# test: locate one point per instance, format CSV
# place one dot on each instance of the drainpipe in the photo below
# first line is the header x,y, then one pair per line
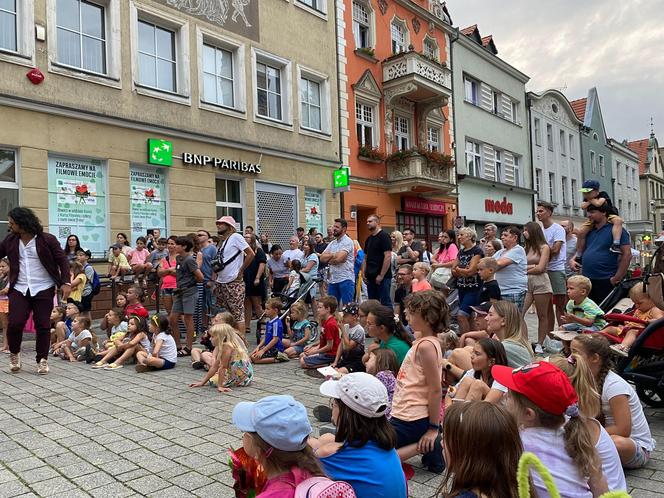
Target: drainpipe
x,y
530,151
336,43
454,116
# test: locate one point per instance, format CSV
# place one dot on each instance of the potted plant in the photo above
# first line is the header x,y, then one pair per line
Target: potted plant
x,y
371,154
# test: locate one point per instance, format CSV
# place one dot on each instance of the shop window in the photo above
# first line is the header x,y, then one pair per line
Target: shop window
x,y
402,132
365,124
229,201
314,207
8,25
218,76
148,202
77,201
81,35
8,186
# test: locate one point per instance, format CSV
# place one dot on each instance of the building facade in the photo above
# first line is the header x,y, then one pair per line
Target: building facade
x,y
395,102
555,145
242,115
651,179
626,190
491,134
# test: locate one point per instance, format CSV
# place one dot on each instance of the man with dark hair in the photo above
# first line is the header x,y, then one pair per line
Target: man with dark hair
x,y
557,239
403,290
37,266
376,266
411,251
340,256
512,267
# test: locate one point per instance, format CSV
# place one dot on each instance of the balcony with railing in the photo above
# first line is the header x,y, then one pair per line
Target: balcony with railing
x,y
420,171
416,77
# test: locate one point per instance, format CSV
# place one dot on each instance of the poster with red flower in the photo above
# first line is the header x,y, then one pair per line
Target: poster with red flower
x,y
148,203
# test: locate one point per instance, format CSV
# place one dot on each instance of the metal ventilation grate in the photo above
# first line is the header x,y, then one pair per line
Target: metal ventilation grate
x,y
276,212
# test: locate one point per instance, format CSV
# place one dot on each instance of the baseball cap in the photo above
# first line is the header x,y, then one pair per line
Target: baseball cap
x,y
482,308
87,252
589,185
566,335
351,309
280,421
541,382
229,220
359,391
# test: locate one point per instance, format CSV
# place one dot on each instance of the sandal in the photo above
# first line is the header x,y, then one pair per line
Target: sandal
x,y
113,366
197,365
184,352
620,350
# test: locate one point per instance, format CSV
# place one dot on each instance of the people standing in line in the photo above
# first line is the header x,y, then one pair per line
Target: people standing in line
x,y
254,282
511,274
378,261
293,253
411,250
490,231
71,247
467,280
339,255
539,285
557,239
37,267
166,272
208,252
234,255
568,225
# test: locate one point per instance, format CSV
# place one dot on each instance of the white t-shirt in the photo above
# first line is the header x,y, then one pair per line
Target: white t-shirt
x,y
495,384
614,385
556,233
167,351
77,339
356,334
345,270
230,247
121,327
295,284
611,466
292,255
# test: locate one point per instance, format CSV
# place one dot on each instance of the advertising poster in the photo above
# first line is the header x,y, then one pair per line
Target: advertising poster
x,y
77,201
148,201
313,200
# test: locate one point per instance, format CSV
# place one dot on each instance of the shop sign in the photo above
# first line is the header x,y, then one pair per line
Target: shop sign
x,y
341,179
77,201
160,153
425,206
147,188
498,206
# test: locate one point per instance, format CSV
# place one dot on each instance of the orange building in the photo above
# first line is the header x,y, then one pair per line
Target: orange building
x,y
396,122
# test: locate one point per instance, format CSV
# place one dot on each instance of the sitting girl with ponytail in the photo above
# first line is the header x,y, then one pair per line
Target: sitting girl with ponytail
x,y
388,333
541,397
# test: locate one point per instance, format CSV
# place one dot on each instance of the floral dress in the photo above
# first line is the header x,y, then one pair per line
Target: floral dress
x,y
240,371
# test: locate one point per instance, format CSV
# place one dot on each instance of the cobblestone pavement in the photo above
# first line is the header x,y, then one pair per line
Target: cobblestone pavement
x,y
83,432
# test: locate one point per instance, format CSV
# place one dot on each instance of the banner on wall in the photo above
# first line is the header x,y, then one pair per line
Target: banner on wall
x,y
148,201
313,205
77,201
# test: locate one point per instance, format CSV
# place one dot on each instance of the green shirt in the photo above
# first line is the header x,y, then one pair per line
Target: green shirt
x,y
587,309
399,347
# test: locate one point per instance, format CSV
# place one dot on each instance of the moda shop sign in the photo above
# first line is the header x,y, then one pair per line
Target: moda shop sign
x,y
488,203
160,153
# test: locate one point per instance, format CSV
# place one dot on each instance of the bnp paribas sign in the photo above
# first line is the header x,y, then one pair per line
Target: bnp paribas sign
x,y
160,153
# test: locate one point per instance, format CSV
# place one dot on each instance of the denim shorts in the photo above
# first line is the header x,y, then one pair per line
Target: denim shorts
x,y
318,360
167,365
468,298
299,349
409,432
639,459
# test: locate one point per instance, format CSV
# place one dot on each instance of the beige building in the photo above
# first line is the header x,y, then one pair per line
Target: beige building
x,y
239,99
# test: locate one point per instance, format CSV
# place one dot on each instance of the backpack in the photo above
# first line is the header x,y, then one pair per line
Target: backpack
x,y
322,487
96,283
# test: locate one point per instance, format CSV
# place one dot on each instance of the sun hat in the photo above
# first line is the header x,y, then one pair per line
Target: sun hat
x,y
280,421
541,382
361,392
589,186
229,220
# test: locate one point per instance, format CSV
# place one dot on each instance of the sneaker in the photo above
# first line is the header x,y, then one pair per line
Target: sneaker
x,y
615,248
42,368
14,362
99,364
113,366
281,357
539,349
89,354
617,349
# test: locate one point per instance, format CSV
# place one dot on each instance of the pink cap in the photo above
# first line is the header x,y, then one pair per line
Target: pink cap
x,y
229,220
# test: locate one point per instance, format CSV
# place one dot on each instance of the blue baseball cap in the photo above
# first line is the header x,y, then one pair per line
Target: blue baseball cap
x,y
589,185
280,421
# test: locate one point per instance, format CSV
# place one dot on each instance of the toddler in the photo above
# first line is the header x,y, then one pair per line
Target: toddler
x,y
294,278
349,354
299,332
4,302
164,354
593,196
79,343
117,329
582,313
382,364
271,347
138,260
420,273
118,263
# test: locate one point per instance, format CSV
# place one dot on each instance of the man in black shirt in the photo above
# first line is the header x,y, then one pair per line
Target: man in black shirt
x,y
405,282
377,262
411,252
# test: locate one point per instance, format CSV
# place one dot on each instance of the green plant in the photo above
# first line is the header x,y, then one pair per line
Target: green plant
x,y
371,153
367,50
401,155
436,158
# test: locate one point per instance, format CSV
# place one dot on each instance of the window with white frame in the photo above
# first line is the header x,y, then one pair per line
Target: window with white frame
x,y
319,5
471,88
361,25
552,187
310,104
269,91
229,200
433,138
496,103
564,191
81,35
549,137
499,166
517,171
218,76
602,171
634,181
515,111
538,183
572,149
593,163
563,143
8,25
157,57
574,193
538,131
402,132
474,159
8,184
430,48
399,37
365,124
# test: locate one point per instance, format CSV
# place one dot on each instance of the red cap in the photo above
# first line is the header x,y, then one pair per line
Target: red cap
x,y
542,383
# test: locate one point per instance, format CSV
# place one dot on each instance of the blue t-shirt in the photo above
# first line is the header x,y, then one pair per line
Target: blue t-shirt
x,y
209,253
371,470
598,262
512,279
275,327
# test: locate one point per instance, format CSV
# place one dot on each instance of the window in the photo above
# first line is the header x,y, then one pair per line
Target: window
x,y
572,151
574,193
433,138
549,137
474,159
8,184
318,5
157,64
629,209
618,179
517,171
361,25
602,171
634,181
218,82
538,131
268,80
538,182
229,202
471,87
552,187
564,191
364,122
399,37
81,35
430,49
310,103
8,25
593,163
620,206
563,143
499,166
496,107
402,132
515,111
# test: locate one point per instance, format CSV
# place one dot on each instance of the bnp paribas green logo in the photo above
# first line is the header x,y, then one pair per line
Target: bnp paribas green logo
x,y
160,152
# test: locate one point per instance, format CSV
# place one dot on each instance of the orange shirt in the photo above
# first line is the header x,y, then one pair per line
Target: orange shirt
x,y
420,286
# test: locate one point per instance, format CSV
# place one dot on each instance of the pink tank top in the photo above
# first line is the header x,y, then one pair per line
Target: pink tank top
x,y
168,282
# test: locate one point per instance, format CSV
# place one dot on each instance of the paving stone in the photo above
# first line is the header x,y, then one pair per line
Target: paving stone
x,y
51,487
148,485
94,480
37,475
27,464
77,470
172,492
191,481
13,488
115,489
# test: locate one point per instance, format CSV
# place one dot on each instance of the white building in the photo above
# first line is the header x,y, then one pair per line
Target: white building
x,y
555,145
626,191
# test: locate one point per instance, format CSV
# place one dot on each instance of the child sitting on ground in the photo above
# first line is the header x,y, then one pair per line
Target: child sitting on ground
x,y
231,366
420,273
349,354
79,342
138,260
271,347
592,196
298,329
135,303
205,358
63,328
330,337
117,327
4,302
645,309
136,340
57,316
582,313
383,365
163,354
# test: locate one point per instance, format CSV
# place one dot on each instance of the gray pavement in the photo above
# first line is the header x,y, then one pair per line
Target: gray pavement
x,y
83,432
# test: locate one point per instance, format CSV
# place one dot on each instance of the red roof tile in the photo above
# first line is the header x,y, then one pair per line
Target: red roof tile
x,y
641,149
486,40
579,108
469,30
